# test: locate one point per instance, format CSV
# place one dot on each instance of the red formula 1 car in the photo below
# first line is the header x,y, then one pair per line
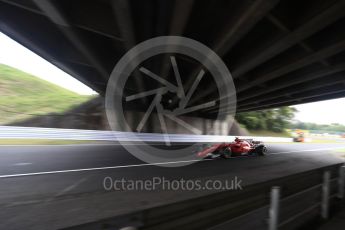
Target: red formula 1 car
x,y
239,147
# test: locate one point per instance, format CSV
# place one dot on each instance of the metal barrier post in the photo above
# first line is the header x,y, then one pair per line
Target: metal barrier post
x,y
325,195
341,182
274,208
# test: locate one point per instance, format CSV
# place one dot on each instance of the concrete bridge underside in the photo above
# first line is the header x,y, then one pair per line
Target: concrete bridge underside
x,y
279,52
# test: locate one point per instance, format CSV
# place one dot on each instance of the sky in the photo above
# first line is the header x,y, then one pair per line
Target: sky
x,y
15,55
323,112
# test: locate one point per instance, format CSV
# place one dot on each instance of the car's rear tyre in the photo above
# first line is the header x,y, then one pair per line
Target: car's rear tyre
x,y
226,153
261,150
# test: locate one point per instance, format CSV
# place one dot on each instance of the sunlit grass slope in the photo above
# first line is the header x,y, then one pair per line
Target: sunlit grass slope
x,y
24,96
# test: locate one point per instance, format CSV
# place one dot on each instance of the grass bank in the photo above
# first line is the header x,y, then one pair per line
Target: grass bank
x,y
23,96
47,142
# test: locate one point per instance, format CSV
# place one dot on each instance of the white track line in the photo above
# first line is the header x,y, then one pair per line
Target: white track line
x,y
71,187
141,165
93,169
308,150
22,164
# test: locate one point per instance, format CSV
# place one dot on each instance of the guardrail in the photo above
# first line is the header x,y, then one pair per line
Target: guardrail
x,y
292,211
12,132
286,203
322,205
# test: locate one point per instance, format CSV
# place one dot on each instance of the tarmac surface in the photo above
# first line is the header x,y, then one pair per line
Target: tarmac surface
x,y
52,187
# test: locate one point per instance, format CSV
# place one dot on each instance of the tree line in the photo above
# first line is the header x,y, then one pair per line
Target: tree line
x,y
276,120
280,119
335,127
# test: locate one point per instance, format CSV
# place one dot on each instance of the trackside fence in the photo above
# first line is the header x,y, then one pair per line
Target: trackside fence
x,y
12,132
286,203
313,199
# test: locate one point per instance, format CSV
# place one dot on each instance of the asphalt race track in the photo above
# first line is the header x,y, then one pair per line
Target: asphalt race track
x,y
60,186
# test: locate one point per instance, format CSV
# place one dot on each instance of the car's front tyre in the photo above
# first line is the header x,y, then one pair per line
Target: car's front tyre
x,y
226,153
261,150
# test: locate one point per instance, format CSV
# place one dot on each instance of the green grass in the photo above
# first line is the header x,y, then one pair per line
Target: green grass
x,y
267,133
340,152
46,142
24,96
324,141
